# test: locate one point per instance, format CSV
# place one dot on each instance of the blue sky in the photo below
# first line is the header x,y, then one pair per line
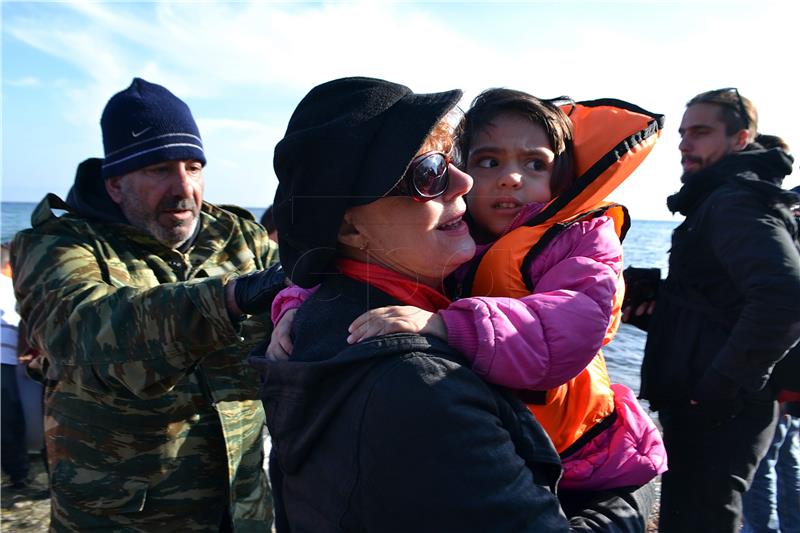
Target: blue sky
x,y
243,66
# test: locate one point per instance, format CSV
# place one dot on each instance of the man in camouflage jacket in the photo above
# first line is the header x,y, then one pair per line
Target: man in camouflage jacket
x,y
152,416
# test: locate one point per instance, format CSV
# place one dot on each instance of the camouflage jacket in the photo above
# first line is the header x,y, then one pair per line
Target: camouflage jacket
x,y
152,414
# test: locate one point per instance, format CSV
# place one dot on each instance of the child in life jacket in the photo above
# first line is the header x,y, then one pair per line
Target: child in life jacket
x,y
541,334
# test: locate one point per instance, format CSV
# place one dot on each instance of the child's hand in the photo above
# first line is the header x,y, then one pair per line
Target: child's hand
x,y
396,319
280,343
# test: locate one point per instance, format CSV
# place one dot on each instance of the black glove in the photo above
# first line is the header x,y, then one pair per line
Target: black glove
x,y
254,292
641,287
718,397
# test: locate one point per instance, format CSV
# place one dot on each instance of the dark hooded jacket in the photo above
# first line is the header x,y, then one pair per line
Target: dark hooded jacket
x,y
397,434
730,306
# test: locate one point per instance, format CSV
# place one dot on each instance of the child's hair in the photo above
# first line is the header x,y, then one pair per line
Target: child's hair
x,y
545,113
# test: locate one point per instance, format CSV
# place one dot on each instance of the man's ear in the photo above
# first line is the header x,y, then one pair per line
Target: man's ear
x,y
349,235
742,140
114,189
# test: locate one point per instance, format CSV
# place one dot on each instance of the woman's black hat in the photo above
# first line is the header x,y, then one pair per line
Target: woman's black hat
x,y
348,143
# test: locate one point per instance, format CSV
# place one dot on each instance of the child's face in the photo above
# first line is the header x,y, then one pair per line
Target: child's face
x,y
511,161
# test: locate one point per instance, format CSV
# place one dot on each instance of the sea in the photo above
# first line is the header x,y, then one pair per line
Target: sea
x,y
645,245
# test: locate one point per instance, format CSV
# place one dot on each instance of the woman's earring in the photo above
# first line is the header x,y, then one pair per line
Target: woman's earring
x,y
363,246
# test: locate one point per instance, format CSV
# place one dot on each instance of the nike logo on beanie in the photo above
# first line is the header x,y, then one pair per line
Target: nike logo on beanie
x,y
148,128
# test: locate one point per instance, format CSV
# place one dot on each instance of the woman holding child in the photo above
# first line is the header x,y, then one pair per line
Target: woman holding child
x,y
395,433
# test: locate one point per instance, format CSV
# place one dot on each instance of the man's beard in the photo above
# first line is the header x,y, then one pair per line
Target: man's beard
x,y
173,235
700,166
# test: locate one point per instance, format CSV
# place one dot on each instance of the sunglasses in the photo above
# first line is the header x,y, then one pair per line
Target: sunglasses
x,y
427,177
740,107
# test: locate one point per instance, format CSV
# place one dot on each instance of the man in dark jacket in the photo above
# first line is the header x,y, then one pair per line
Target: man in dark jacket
x,y
727,312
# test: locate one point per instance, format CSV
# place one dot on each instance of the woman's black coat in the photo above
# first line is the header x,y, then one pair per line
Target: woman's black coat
x,y
396,434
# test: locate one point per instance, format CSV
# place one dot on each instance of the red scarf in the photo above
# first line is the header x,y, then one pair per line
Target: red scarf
x,y
789,396
408,291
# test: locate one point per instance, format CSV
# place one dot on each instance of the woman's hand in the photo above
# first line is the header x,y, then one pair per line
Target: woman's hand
x,y
396,319
280,343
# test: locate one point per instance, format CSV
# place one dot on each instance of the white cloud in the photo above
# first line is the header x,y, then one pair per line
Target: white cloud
x,y
250,140
27,81
200,49
218,51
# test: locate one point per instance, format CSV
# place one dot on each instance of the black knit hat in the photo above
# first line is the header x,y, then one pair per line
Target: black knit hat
x,y
146,124
348,143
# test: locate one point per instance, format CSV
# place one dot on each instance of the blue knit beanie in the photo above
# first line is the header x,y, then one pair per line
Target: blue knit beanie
x,y
146,124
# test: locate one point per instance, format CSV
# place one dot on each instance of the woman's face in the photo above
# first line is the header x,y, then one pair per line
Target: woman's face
x,y
423,240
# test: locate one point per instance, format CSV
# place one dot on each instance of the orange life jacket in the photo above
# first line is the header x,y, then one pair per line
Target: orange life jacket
x,y
611,139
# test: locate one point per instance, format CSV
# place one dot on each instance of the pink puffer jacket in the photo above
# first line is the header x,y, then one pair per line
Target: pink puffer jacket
x,y
543,340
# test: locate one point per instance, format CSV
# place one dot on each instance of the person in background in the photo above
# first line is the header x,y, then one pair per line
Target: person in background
x,y
772,504
268,221
13,449
146,301
728,310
